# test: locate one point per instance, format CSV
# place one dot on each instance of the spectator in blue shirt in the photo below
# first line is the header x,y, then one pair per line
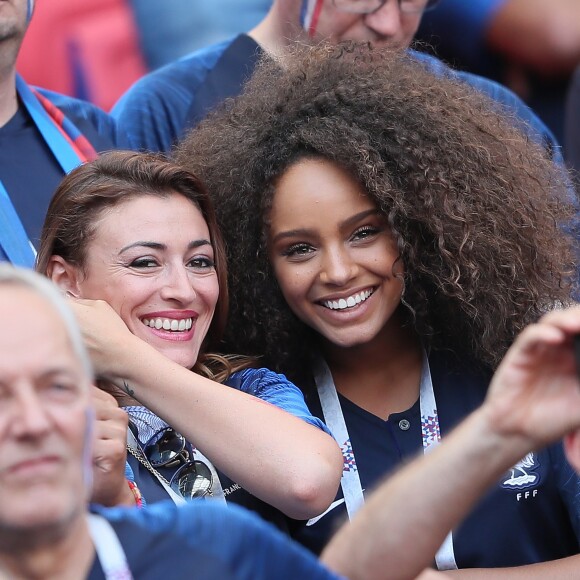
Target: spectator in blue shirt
x,y
43,135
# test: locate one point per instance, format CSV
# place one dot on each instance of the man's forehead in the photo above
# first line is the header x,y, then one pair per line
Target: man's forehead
x,y
33,337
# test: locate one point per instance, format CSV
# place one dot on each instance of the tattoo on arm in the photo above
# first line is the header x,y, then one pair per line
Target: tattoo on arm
x,y
128,389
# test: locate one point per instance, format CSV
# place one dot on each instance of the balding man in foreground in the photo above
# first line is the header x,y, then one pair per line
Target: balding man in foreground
x,y
47,531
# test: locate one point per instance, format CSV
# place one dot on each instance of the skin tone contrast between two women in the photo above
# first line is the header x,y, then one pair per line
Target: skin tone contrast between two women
x,y
357,242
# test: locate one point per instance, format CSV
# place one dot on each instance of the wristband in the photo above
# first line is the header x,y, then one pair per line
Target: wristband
x,y
139,500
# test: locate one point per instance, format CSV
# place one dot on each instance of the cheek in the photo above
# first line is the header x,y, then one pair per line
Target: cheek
x,y
126,296
410,26
333,24
74,427
295,285
208,290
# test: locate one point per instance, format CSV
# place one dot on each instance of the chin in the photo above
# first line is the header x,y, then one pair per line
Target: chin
x,y
183,359
43,515
346,337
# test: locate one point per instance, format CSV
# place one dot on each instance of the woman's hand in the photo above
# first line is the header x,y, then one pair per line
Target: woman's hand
x,y
106,336
535,392
109,452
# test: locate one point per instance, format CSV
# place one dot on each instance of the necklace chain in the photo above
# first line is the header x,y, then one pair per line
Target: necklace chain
x,y
137,454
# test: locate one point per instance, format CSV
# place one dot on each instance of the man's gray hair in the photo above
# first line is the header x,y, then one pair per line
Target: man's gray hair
x,y
13,276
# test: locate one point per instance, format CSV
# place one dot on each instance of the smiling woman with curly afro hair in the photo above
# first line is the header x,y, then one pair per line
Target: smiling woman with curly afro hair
x,y
394,225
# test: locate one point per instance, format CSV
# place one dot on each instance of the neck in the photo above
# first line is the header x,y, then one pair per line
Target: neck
x,y
279,29
382,376
48,554
8,99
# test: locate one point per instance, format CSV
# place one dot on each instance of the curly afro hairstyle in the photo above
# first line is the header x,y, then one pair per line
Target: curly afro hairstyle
x,y
476,208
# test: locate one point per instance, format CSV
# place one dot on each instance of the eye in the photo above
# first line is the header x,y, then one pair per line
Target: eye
x,y
145,262
365,232
201,263
60,389
60,386
299,250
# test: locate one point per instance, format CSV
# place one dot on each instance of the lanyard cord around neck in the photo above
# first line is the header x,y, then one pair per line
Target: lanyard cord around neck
x,y
109,550
69,147
350,482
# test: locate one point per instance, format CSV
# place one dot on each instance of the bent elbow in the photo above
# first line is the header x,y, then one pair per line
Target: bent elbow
x,y
311,493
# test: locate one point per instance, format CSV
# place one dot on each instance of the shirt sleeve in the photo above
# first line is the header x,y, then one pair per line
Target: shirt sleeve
x,y
253,547
153,113
205,539
277,390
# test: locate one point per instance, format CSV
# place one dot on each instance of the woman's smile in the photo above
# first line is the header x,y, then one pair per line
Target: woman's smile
x,y
177,326
349,302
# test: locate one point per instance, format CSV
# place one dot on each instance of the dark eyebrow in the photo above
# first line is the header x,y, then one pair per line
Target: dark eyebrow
x,y
157,246
346,223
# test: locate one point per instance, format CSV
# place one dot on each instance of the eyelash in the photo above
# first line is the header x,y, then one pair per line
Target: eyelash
x,y
198,262
204,263
368,230
295,250
143,263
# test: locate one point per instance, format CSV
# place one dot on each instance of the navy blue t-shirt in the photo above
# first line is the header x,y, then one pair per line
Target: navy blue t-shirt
x,y
28,169
531,515
205,540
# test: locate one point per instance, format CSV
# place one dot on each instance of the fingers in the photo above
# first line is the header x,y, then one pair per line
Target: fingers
x,y
109,453
553,330
568,319
102,398
111,421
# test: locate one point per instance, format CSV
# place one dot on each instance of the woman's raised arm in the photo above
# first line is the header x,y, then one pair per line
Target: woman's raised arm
x,y
283,460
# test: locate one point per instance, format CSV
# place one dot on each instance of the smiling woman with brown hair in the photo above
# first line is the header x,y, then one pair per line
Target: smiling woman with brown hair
x,y
389,233
133,240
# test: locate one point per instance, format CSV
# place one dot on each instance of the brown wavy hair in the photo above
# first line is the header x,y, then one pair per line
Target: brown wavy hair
x,y
477,209
115,177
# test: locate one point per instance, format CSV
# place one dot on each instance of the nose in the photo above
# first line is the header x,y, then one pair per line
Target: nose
x,y
178,285
338,267
386,21
30,418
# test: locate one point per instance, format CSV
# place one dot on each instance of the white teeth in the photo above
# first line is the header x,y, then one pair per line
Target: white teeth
x,y
349,302
171,324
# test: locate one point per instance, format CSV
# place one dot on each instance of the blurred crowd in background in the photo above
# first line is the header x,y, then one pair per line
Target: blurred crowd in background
x,y
96,50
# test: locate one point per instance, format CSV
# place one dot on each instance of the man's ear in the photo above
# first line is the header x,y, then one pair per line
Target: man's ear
x,y
66,276
572,449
